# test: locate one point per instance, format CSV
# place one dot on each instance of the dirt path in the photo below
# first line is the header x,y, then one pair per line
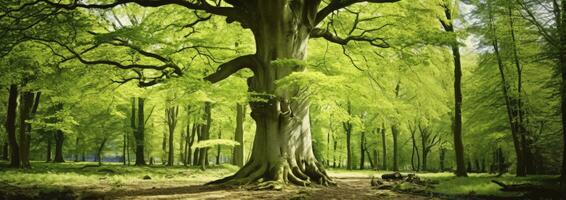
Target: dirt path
x,y
349,187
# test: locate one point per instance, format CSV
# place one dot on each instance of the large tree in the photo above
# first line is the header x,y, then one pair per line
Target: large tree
x,y
282,149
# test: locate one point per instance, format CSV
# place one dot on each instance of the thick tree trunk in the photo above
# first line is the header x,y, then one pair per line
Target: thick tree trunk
x,y
59,139
139,133
238,155
282,149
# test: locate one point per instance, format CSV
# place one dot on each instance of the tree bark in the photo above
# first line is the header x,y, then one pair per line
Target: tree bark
x,y
506,94
384,147
182,147
77,148
196,159
395,134
457,128
218,148
5,150
238,155
348,130
48,149
521,130
362,150
171,113
442,158
99,151
27,108
415,151
282,149
11,126
125,149
59,139
562,61
205,133
139,133
334,152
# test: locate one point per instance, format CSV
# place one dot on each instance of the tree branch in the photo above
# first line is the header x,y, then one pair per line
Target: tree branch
x,y
335,5
231,12
225,70
326,34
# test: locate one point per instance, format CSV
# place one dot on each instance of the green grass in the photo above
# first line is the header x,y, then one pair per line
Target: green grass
x,y
110,176
71,174
475,184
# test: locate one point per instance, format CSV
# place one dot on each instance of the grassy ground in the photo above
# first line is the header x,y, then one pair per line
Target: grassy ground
x,y
53,180
476,184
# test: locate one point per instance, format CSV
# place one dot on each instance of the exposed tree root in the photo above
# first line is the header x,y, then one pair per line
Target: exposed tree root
x,y
276,176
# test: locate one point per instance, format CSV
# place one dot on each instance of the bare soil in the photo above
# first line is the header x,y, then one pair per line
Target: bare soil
x,y
349,187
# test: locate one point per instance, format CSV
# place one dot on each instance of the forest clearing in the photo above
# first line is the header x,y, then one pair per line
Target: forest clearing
x,y
283,99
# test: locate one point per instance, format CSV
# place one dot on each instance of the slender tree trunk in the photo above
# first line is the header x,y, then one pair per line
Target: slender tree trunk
x,y
218,148
562,61
5,150
395,134
99,151
196,155
508,102
458,144
348,129
26,104
521,130
190,144
182,143
124,149
203,157
171,113
77,148
59,140
442,158
384,147
415,149
457,127
348,146
139,133
334,153
48,149
362,150
238,154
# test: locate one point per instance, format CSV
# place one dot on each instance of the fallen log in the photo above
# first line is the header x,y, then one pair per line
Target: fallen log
x,y
517,187
392,176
